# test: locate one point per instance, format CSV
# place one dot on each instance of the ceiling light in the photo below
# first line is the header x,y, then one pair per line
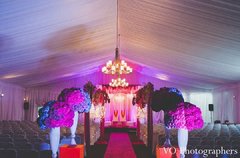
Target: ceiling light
x,y
117,66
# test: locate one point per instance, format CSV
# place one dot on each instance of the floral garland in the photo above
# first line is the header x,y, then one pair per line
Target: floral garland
x,y
100,97
89,88
143,95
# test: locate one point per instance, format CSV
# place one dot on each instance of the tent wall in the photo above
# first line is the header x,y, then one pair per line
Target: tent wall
x,y
39,95
226,100
11,104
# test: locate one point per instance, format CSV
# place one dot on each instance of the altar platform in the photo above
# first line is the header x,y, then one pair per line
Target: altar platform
x,y
120,127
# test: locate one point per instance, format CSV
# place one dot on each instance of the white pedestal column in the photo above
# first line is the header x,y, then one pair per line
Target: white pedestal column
x,y
167,142
54,140
73,128
182,141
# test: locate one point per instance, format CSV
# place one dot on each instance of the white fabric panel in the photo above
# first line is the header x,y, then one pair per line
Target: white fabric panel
x,y
202,100
226,100
39,95
194,43
11,104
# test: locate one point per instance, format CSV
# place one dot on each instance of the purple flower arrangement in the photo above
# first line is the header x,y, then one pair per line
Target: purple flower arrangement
x,y
44,114
178,114
166,99
76,98
186,116
60,113
55,114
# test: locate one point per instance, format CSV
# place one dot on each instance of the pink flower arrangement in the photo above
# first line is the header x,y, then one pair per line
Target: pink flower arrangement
x,y
76,98
60,115
186,116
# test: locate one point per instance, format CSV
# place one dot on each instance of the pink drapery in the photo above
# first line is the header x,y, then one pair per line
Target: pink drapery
x,y
121,103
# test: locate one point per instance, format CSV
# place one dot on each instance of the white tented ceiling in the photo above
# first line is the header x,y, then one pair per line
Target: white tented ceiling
x,y
192,41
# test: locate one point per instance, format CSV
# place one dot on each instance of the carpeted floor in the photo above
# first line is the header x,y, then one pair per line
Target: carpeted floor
x,y
139,148
119,146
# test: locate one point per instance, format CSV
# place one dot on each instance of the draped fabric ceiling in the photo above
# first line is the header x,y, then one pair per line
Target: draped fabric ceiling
x,y
195,42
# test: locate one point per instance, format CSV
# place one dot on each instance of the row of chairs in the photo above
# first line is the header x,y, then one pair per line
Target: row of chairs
x,y
11,153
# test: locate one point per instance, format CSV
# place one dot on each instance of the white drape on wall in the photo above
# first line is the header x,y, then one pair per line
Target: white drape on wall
x,y
202,100
226,102
158,117
11,104
223,106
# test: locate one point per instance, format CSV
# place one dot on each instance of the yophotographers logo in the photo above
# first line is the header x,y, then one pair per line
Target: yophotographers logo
x,y
204,152
171,150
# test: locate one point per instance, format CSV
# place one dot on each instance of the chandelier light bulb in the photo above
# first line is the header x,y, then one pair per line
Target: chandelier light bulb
x,y
117,66
118,82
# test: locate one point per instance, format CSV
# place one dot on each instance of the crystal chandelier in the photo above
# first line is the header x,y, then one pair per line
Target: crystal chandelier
x,y
118,82
117,66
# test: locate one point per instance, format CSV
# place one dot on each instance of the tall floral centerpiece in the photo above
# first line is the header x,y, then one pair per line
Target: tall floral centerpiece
x,y
100,97
143,98
88,88
53,115
63,113
178,114
78,101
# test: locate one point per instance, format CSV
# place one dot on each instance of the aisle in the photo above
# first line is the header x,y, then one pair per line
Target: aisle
x,y
119,146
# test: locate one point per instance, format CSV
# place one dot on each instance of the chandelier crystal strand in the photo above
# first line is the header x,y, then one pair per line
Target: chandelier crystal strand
x,y
117,66
118,82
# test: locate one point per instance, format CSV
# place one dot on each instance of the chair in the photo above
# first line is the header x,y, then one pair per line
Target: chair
x,y
193,142
10,153
222,138
6,145
5,139
223,142
217,122
225,147
235,142
45,154
44,146
5,136
28,154
23,146
208,142
35,140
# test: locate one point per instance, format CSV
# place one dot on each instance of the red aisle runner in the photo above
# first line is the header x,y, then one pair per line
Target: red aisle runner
x,y
119,146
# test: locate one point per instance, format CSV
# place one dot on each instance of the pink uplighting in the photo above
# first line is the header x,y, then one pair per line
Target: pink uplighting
x,y
121,103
